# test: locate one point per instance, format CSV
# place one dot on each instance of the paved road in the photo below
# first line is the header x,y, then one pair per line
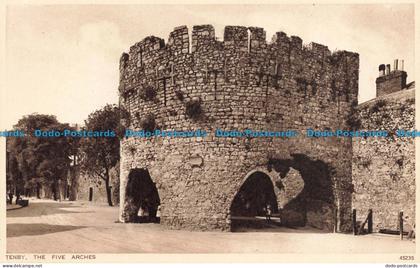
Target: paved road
x,y
74,227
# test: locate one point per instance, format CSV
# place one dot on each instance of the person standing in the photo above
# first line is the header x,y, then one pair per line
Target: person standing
x,y
268,212
10,197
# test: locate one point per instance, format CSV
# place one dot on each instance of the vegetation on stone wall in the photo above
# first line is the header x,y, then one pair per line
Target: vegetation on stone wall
x,y
148,123
148,93
132,149
172,112
410,101
354,122
377,106
400,162
193,109
179,95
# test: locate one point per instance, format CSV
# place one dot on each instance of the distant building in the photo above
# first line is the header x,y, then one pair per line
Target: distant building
x,y
83,187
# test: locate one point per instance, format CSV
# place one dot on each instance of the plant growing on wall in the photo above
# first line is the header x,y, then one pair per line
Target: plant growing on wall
x,y
334,60
193,109
148,93
172,112
302,84
400,162
376,107
132,149
354,122
410,101
179,95
148,123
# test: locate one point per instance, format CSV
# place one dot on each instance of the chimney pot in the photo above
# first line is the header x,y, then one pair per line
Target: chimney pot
x,y
388,69
395,64
382,70
390,81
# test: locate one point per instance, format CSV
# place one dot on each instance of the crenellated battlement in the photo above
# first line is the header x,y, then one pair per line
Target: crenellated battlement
x,y
244,49
236,37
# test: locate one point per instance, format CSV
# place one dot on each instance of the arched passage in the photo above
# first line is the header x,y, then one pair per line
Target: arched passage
x,y
314,205
141,193
252,199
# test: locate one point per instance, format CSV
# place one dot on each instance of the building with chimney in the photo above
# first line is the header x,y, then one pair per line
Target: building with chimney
x,y
391,81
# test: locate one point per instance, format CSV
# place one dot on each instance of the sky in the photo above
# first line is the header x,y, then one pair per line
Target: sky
x,y
64,59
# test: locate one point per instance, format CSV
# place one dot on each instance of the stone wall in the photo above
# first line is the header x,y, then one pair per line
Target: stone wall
x,y
242,82
97,184
384,168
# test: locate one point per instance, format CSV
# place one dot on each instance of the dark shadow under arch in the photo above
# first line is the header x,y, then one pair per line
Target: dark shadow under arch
x,y
141,192
316,197
251,200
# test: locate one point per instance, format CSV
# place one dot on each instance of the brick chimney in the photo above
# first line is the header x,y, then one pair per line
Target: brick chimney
x,y
390,81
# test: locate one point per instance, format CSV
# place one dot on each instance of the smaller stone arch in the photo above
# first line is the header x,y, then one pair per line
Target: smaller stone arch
x,y
255,193
141,193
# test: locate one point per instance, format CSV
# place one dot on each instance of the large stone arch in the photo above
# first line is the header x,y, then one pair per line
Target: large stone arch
x,y
315,204
140,192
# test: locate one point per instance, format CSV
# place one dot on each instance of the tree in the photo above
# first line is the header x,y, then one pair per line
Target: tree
x,y
100,154
41,161
12,170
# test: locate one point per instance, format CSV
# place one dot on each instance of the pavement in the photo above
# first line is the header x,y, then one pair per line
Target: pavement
x,y
12,206
47,226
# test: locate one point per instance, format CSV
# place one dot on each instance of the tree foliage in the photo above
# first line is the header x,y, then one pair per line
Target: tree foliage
x,y
99,155
40,161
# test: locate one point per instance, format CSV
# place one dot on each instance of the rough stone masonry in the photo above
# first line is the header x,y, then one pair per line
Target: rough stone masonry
x,y
242,82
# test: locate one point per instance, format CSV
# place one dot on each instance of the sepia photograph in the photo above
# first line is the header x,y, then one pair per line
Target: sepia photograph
x,y
209,128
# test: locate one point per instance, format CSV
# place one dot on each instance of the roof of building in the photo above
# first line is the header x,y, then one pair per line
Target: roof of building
x,y
407,93
411,85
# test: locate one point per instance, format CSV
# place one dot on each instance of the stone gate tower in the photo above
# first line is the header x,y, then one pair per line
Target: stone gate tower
x,y
242,82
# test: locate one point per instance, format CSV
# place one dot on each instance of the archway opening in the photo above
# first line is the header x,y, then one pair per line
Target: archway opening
x,y
142,198
314,205
251,203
